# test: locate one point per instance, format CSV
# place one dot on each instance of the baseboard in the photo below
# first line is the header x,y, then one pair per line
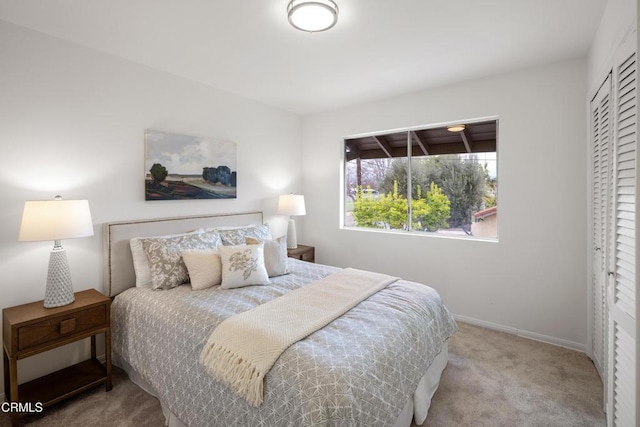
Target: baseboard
x,y
522,333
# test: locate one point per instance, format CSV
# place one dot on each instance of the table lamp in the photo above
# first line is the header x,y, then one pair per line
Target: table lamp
x,y
56,220
291,205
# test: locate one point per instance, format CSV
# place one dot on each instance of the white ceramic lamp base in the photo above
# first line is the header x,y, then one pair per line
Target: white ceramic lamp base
x,y
292,240
59,289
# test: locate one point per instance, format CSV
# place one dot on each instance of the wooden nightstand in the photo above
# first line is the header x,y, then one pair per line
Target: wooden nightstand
x,y
30,329
303,253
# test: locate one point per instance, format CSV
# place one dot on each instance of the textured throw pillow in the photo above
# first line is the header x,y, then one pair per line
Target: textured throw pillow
x,y
236,235
243,265
141,261
275,255
204,268
165,256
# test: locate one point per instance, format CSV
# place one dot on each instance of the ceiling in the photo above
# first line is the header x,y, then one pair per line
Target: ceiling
x,y
477,137
378,49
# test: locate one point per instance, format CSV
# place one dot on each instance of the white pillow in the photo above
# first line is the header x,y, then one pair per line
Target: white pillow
x,y
204,267
275,255
140,264
243,265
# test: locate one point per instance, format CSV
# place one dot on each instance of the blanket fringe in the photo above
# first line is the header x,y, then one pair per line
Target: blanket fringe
x,y
234,371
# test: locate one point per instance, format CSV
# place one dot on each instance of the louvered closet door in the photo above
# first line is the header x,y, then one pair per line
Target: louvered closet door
x,y
601,131
622,296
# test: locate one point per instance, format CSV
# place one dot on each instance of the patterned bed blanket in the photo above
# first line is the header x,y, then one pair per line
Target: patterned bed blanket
x,y
358,370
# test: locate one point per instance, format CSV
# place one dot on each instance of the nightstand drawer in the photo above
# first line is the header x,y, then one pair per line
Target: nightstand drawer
x,y
308,256
52,329
303,253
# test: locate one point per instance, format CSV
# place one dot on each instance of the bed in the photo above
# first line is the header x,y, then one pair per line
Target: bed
x,y
376,365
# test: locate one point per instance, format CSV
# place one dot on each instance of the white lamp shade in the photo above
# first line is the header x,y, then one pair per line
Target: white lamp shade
x,y
55,220
291,205
312,15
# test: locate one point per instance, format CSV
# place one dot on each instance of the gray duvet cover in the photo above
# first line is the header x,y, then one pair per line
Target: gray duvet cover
x,y
359,370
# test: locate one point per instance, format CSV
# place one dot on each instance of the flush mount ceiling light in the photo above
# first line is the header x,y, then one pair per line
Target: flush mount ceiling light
x,y
312,15
456,128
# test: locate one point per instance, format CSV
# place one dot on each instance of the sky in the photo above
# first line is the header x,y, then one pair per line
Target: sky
x,y
491,161
187,155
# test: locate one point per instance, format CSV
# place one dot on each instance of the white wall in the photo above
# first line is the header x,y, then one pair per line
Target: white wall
x,y
618,18
72,123
534,279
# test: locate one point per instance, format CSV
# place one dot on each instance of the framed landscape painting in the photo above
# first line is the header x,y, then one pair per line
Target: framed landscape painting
x,y
179,167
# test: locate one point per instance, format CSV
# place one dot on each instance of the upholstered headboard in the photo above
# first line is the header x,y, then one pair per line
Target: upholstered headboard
x,y
119,274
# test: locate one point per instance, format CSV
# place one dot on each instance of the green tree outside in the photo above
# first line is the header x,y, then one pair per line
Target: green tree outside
x,y
462,181
438,212
392,209
365,211
430,212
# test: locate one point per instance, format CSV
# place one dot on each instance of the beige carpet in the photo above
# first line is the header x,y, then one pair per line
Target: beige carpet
x,y
493,379
497,379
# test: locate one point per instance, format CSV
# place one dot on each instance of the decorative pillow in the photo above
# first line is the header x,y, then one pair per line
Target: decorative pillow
x,y
235,236
204,268
243,265
275,255
141,261
165,256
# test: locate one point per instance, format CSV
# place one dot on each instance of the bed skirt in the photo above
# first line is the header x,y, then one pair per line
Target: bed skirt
x,y
416,407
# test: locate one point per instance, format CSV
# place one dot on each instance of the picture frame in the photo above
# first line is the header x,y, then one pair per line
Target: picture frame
x,y
183,167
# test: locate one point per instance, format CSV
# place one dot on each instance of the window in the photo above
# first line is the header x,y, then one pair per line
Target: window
x,y
435,179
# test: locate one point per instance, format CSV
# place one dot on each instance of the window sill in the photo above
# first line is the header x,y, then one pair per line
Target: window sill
x,y
421,234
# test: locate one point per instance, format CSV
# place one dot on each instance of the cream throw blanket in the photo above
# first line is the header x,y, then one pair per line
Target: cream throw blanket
x,y
244,347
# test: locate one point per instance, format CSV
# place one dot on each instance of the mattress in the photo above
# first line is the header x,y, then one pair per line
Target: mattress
x,y
362,369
